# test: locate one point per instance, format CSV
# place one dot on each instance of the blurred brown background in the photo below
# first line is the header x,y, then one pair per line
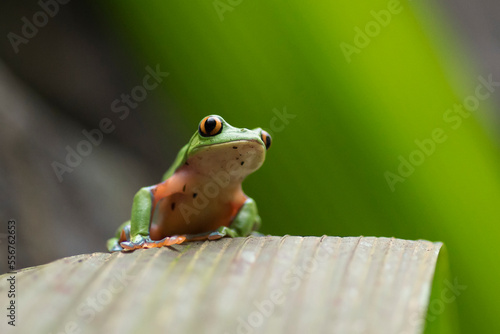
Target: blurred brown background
x,y
64,81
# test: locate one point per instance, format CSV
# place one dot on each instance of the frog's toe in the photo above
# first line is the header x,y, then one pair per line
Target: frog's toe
x,y
158,243
113,245
129,246
116,248
137,243
151,244
148,243
169,241
174,240
221,232
216,235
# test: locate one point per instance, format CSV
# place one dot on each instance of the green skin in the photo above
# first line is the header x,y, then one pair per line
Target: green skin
x,y
210,167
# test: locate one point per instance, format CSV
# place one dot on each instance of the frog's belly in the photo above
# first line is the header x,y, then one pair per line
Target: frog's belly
x,y
184,214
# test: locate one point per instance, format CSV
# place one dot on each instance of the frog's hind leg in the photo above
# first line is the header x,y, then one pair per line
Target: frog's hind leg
x,y
114,245
169,241
122,234
146,243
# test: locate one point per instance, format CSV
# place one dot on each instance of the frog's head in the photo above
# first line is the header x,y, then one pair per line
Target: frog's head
x,y
218,145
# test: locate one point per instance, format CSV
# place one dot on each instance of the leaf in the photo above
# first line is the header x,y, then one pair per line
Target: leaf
x,y
241,285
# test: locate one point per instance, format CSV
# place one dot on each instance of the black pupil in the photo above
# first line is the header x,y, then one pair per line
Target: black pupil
x,y
267,140
210,125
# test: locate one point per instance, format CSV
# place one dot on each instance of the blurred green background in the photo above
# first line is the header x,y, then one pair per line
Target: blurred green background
x,y
360,98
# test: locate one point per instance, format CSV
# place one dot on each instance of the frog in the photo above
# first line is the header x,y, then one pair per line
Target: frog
x,y
200,196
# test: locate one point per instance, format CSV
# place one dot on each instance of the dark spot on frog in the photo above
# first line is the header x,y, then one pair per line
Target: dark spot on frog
x,y
173,206
184,188
187,163
80,260
242,163
235,147
194,195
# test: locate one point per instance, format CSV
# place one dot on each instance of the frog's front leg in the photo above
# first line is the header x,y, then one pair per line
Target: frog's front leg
x,y
140,222
247,220
244,223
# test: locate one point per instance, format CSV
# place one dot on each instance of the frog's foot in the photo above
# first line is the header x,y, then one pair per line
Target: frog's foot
x,y
114,245
221,232
146,242
168,241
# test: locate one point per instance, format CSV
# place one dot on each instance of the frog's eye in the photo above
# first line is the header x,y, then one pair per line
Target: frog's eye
x,y
210,126
266,138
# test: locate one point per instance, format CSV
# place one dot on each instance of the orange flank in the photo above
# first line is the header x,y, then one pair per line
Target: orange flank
x,y
182,205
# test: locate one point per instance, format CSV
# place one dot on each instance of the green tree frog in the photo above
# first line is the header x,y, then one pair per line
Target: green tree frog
x,y
200,196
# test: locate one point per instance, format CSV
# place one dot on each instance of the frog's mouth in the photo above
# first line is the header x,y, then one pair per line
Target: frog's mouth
x,y
238,157
251,144
235,141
